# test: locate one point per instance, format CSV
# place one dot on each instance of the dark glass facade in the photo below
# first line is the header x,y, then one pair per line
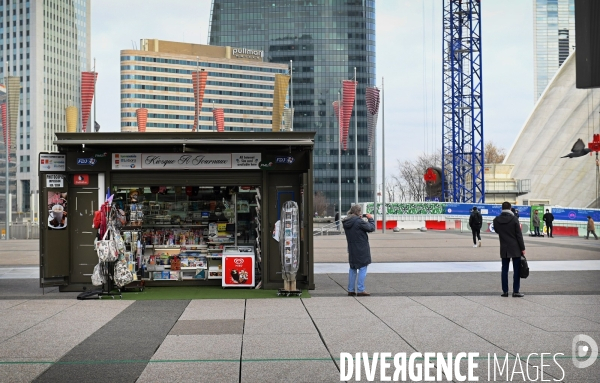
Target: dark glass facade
x,y
326,39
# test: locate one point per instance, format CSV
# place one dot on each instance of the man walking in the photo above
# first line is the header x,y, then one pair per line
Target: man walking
x,y
475,221
536,224
591,228
356,228
548,219
511,247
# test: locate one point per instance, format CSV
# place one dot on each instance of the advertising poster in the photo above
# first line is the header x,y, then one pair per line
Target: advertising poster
x,y
238,271
571,214
57,210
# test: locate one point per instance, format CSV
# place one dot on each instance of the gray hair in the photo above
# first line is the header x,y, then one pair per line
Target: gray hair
x,y
355,209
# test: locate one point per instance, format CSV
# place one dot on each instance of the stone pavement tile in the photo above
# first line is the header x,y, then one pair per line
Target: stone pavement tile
x,y
199,309
208,327
199,347
21,370
574,374
199,372
566,323
395,306
515,336
279,326
337,312
6,304
552,300
517,307
266,347
455,306
352,327
430,334
514,370
335,307
587,311
300,371
59,336
274,308
383,341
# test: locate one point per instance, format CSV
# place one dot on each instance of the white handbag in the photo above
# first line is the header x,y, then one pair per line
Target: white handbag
x,y
122,274
98,278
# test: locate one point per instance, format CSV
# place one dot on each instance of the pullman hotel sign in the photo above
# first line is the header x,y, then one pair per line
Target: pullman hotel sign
x,y
199,161
243,53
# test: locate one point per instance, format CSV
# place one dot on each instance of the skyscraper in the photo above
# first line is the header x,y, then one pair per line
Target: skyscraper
x,y
47,44
553,39
325,40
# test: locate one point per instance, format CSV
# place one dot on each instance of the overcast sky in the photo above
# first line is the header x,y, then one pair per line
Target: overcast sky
x,y
409,34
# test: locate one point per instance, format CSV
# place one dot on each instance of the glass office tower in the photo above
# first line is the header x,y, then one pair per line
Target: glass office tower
x,y
47,44
553,39
326,39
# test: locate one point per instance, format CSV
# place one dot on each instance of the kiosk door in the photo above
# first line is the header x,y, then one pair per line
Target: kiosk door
x,y
54,230
83,256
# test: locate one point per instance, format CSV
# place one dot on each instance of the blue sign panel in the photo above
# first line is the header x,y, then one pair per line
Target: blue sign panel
x,y
571,214
466,208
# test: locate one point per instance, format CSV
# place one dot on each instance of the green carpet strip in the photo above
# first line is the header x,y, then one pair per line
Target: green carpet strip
x,y
203,292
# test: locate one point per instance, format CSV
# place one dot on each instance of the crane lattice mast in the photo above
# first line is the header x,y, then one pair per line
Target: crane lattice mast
x,y
462,119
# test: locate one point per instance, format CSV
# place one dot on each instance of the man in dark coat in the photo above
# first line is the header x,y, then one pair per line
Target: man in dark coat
x,y
475,221
548,219
356,227
511,247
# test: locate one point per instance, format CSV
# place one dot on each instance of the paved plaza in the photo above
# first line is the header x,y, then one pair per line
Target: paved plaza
x,y
451,306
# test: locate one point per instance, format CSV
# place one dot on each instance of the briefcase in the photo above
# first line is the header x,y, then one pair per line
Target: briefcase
x,y
524,267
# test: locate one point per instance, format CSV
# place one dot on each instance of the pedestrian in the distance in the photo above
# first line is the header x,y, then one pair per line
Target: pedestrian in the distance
x,y
337,220
591,228
511,247
536,224
548,219
475,221
356,227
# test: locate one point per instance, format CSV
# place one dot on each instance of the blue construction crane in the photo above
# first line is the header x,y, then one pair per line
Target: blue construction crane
x,y
462,109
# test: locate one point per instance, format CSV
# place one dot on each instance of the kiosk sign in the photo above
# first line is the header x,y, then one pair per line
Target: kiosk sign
x,y
54,181
171,161
52,162
129,161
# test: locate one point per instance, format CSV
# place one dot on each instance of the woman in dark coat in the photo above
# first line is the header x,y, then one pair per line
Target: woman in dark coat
x,y
356,228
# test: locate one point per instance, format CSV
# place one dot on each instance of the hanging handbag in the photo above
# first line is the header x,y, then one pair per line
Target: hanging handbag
x,y
98,276
119,242
524,273
122,274
106,248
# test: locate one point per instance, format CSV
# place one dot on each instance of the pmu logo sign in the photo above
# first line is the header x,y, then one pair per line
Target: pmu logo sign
x,y
86,161
284,160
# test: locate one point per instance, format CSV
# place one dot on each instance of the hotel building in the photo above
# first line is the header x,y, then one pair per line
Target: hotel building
x,y
158,77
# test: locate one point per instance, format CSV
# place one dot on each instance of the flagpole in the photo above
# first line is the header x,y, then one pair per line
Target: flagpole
x,y
198,95
6,162
382,158
374,156
339,155
93,126
292,94
355,140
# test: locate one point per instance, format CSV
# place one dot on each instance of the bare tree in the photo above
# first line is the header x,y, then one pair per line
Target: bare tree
x,y
320,203
494,154
410,180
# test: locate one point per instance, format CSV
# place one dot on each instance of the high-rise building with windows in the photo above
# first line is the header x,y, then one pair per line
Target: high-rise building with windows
x,y
325,40
553,39
158,77
47,44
